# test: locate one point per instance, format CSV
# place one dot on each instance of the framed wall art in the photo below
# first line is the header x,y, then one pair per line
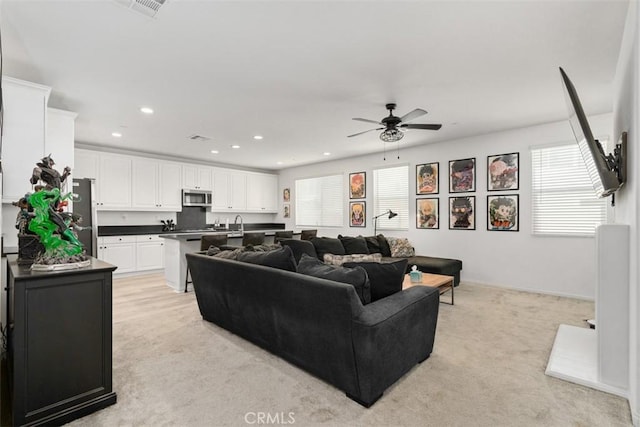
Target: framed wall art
x,y
357,185
462,175
357,214
286,195
428,213
286,210
462,213
428,178
503,171
503,213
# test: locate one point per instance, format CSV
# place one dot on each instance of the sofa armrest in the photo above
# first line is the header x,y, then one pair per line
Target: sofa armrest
x,y
392,335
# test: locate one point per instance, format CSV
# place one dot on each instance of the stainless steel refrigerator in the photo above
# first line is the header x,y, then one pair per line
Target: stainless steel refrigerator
x,y
84,205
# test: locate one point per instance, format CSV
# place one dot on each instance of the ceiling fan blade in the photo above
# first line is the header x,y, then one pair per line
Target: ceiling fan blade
x,y
413,115
360,133
367,120
417,126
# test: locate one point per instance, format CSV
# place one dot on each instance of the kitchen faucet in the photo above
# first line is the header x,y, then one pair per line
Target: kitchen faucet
x,y
235,221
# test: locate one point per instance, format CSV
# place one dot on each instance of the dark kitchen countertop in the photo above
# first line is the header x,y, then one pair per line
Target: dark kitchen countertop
x,y
130,230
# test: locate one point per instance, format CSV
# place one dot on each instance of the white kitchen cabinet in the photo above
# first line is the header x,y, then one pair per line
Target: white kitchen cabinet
x,y
24,134
60,138
196,177
114,182
85,164
262,192
155,185
229,190
149,253
119,251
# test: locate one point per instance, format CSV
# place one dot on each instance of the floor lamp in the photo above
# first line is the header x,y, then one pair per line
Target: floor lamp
x,y
375,220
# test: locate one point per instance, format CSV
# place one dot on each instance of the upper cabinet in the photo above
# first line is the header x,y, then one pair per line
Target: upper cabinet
x,y
229,190
196,177
24,135
86,164
155,185
114,182
60,137
262,192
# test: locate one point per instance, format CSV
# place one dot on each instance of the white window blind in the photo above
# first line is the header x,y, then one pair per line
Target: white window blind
x,y
319,201
563,198
391,191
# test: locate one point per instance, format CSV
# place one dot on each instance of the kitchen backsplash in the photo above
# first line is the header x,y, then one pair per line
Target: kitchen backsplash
x,y
133,218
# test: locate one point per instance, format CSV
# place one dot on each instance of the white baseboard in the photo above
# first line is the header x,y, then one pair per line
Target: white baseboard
x,y
533,291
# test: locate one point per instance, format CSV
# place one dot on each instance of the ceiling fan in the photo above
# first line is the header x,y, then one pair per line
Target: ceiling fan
x,y
392,125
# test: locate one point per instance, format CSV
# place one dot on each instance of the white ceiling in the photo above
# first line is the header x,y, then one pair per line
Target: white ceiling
x,y
297,72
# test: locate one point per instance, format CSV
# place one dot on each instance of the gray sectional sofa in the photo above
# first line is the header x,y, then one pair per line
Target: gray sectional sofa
x,y
318,324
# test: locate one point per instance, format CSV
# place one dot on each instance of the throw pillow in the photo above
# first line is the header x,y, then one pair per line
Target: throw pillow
x,y
400,247
332,259
262,248
213,250
299,247
386,278
281,258
384,245
229,254
373,245
356,277
354,245
327,245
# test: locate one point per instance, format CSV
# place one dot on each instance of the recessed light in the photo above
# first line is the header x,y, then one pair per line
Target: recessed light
x,y
257,137
147,110
214,151
235,146
278,163
116,134
326,153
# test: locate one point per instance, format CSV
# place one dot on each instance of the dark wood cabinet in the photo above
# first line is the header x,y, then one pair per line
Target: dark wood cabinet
x,y
60,342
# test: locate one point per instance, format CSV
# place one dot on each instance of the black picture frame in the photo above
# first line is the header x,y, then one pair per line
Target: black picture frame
x,y
357,185
428,213
503,212
503,172
358,214
462,213
462,175
428,178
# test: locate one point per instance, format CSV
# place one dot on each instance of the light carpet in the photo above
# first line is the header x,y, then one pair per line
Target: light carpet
x,y
171,368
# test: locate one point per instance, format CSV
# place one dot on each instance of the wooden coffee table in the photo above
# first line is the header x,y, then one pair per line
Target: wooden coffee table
x,y
443,283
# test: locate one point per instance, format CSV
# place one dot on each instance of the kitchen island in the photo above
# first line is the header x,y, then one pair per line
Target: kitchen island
x,y
178,244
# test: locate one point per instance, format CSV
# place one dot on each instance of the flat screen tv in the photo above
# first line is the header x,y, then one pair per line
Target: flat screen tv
x,y
605,171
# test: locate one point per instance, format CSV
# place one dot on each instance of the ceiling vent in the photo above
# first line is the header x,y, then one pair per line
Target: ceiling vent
x,y
146,7
200,138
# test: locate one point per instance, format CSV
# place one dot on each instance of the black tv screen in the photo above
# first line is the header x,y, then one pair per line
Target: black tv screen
x,y
603,177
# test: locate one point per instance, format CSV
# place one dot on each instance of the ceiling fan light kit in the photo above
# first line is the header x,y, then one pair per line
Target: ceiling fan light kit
x,y
391,123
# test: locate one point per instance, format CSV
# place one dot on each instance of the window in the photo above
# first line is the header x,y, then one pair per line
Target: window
x,y
563,199
391,191
319,201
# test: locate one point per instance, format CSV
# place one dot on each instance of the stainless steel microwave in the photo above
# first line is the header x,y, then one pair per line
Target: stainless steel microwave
x,y
196,197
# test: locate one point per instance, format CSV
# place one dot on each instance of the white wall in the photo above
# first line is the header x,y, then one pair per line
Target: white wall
x,y
626,110
554,265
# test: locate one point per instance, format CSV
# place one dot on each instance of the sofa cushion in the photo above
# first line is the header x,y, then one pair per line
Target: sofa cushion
x,y
356,277
299,247
384,245
353,245
332,259
400,247
327,245
281,258
386,278
373,245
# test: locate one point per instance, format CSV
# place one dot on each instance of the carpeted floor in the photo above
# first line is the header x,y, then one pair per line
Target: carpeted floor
x,y
171,368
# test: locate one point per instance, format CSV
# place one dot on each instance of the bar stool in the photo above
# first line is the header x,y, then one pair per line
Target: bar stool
x,y
253,239
206,242
282,235
308,234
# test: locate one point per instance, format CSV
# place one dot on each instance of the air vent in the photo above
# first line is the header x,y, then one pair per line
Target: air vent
x,y
146,7
200,138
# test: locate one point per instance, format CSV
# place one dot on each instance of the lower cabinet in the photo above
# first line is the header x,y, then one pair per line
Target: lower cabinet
x,y
132,253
